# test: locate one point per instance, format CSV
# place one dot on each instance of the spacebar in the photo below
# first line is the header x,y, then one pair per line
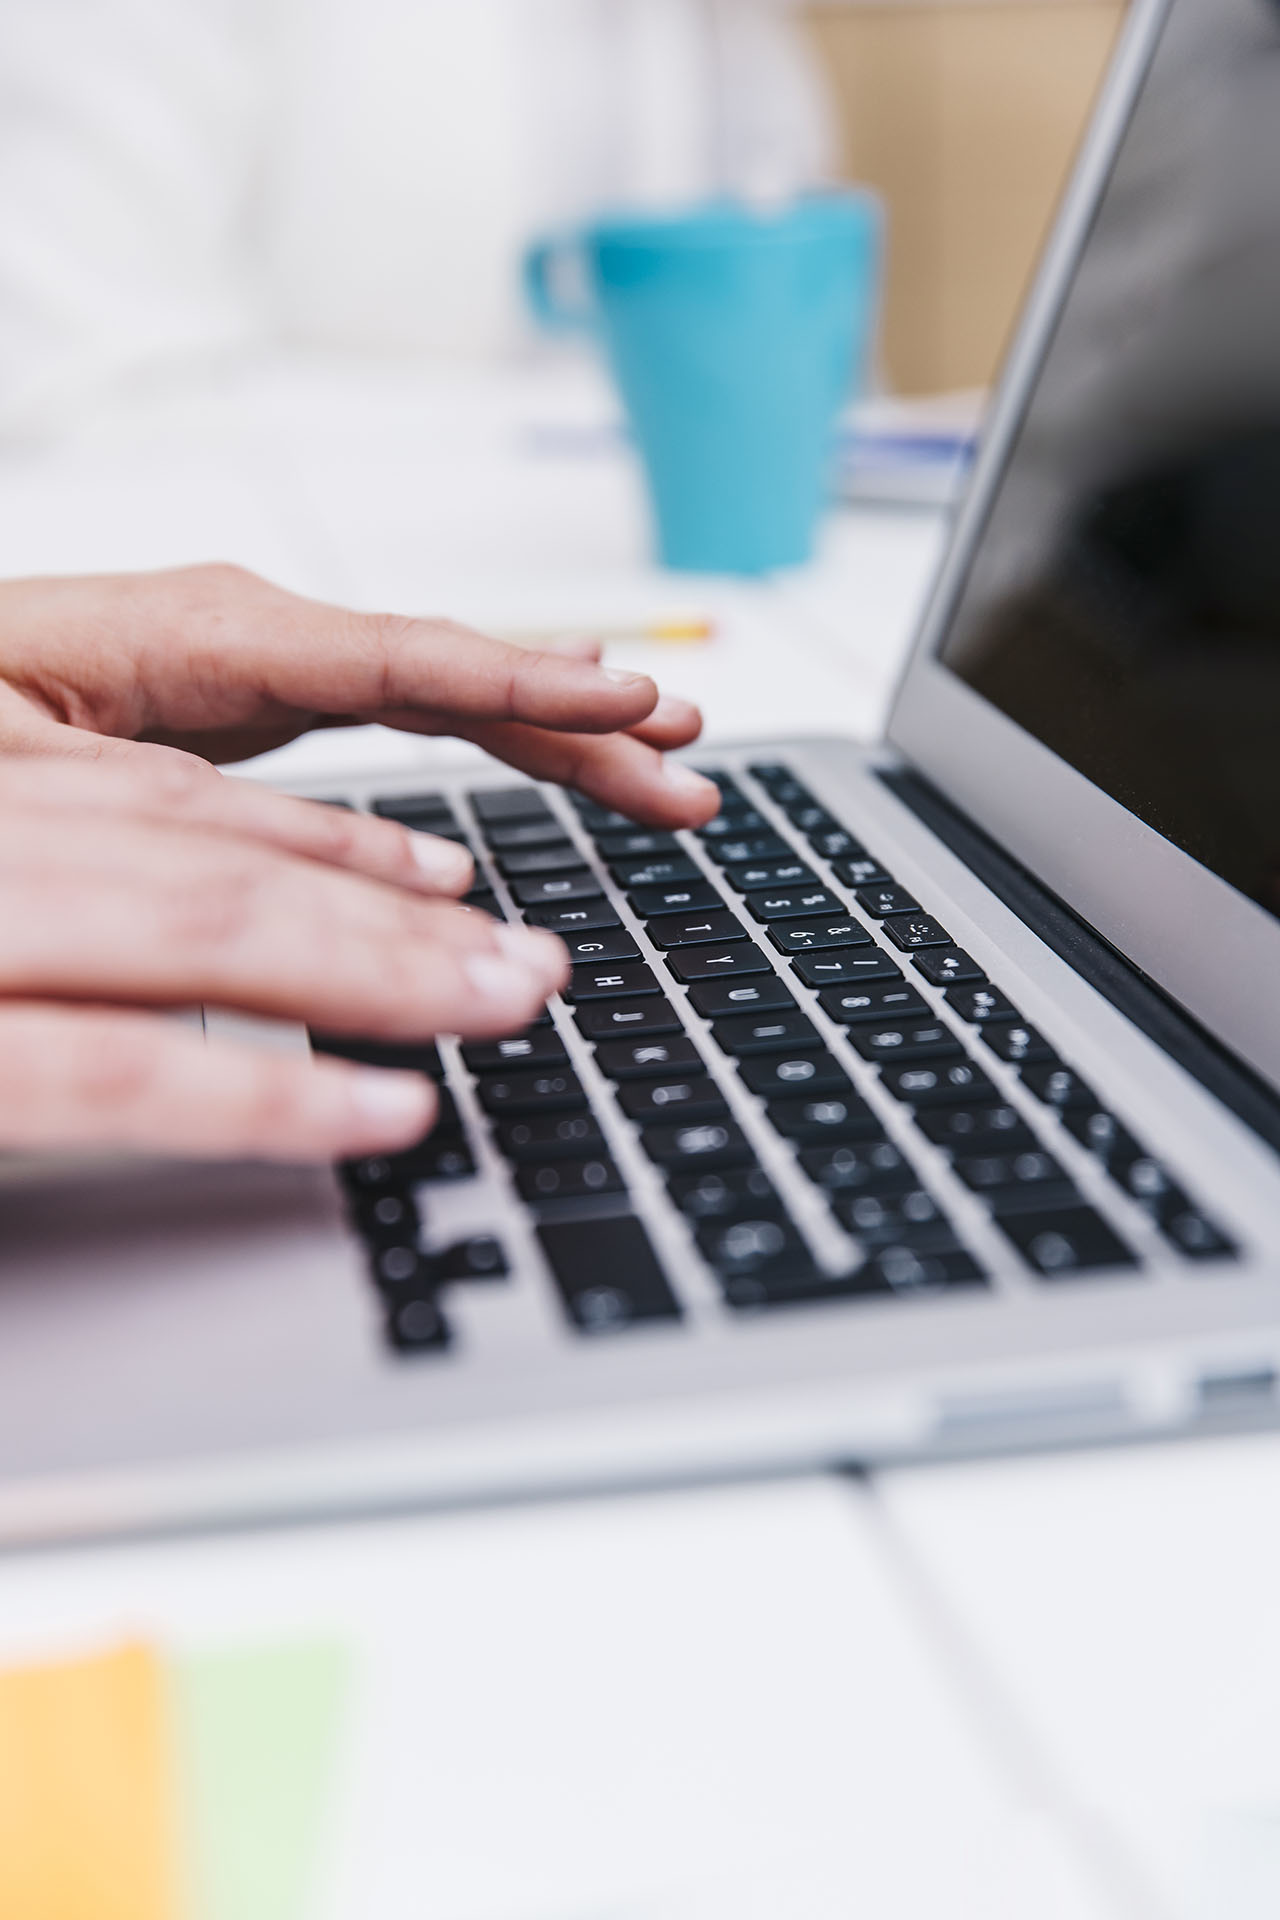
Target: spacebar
x,y
607,1273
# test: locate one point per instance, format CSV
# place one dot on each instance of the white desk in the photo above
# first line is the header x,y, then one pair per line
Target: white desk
x,y
1044,1688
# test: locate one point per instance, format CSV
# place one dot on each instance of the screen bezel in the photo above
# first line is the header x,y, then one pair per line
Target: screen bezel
x,y
1204,943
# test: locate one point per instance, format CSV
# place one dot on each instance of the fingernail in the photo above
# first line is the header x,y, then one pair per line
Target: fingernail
x,y
393,1099
441,860
685,781
673,712
533,949
618,678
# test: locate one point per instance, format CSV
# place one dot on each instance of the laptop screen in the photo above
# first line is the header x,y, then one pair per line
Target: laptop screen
x,y
1123,601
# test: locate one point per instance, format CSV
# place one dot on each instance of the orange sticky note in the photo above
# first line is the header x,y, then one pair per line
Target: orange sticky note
x,y
86,1797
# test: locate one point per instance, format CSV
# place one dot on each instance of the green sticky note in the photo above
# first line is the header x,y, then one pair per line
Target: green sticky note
x,y
257,1732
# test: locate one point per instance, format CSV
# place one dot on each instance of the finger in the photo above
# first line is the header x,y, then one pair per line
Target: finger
x,y
74,1078
133,912
673,723
622,772
145,781
303,655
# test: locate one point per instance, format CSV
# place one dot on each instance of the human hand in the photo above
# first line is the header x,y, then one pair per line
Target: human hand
x,y
222,664
137,884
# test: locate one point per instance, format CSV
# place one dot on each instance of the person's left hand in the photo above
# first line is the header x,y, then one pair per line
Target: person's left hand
x,y
221,664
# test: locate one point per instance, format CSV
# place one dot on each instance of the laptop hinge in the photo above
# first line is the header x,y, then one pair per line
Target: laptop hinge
x,y
1221,1072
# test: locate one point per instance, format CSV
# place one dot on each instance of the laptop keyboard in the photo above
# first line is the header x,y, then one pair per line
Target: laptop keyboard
x,y
766,972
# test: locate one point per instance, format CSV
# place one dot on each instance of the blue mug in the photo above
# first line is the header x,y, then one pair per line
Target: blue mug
x,y
736,335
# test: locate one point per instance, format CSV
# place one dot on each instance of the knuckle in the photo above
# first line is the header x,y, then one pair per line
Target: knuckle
x,y
113,1071
212,910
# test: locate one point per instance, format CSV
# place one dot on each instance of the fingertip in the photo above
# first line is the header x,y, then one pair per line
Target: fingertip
x,y
442,864
389,1110
697,797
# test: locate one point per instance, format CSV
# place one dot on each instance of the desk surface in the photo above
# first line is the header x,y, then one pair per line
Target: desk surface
x,y
1043,1687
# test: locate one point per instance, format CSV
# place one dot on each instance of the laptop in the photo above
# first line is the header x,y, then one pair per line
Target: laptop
x,y
925,1102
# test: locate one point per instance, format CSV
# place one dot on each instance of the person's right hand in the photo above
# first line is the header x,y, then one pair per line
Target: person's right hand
x,y
126,888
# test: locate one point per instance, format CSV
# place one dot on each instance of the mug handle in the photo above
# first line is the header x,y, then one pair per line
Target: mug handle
x,y
549,308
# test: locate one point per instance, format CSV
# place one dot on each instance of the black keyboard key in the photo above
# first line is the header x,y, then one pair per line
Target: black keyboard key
x,y
1142,1177
602,944
911,1040
694,1097
760,1246
781,1032
626,981
680,897
691,964
612,1019
418,1326
542,1047
736,1194
982,1006
958,1082
947,967
586,917
864,1166
499,806
386,1214
910,1217
401,1267
791,903
1194,1235
733,823
886,898
991,1128
1104,1136
713,1143
810,818
1064,1242
887,1000
750,849
1017,1043
1059,1087
913,931
844,968
861,870
607,1273
481,1257
707,926
525,833
413,807
636,843
781,785
792,1288
526,1093
834,843
481,900
818,936
647,1059
1024,1176
713,999
556,1180
556,888
809,1122
551,1137
774,1074
725,781
755,875
442,1155
528,862
675,868
906,1270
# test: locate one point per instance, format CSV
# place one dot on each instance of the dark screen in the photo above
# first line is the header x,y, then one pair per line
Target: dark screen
x,y
1123,604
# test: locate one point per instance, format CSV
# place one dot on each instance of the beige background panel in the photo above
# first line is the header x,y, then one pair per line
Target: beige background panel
x,y
966,118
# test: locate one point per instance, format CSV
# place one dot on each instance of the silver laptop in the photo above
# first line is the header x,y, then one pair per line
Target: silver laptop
x,y
927,1101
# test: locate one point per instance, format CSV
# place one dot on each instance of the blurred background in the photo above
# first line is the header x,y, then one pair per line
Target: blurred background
x,y
184,183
